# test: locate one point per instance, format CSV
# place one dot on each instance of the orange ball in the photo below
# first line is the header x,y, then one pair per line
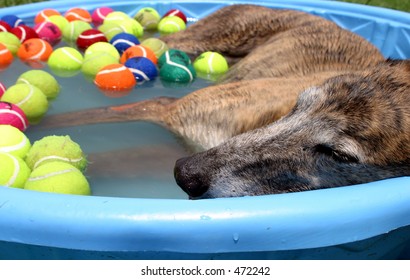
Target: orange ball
x,y
115,77
6,57
138,50
35,49
45,14
78,14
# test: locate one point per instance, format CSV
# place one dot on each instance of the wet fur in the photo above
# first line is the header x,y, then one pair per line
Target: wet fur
x,y
258,136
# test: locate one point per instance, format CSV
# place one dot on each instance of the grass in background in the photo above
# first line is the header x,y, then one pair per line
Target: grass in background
x,y
9,3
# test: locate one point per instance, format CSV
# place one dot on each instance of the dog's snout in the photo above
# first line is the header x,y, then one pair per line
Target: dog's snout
x,y
190,178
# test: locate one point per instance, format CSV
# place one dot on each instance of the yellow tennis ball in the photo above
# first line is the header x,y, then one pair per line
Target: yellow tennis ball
x,y
148,17
56,148
41,79
58,177
13,141
171,24
102,47
29,98
13,172
156,45
211,63
65,61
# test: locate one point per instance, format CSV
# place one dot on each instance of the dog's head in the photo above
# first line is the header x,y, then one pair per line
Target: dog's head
x,y
353,129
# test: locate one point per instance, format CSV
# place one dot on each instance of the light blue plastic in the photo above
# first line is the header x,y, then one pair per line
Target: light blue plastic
x,y
364,221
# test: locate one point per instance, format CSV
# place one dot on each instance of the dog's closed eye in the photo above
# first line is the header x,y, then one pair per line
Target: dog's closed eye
x,y
336,154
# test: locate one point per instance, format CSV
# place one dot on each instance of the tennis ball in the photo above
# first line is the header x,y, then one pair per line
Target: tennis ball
x,y
14,172
123,41
4,26
41,79
13,20
24,32
78,14
13,141
56,148
90,37
45,14
174,55
35,49
148,18
11,42
142,68
29,98
95,61
73,29
110,29
12,115
49,32
116,17
156,45
99,14
58,20
138,50
102,47
171,24
65,61
58,177
6,57
211,63
176,12
115,77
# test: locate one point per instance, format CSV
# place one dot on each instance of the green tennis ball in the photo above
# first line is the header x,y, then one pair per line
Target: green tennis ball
x,y
41,79
95,61
148,17
156,45
116,17
65,61
13,172
174,56
58,177
13,141
102,47
73,29
133,27
29,98
171,24
58,20
211,63
110,29
177,72
11,41
56,148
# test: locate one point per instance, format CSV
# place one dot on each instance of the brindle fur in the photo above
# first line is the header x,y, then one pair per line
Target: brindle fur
x,y
349,124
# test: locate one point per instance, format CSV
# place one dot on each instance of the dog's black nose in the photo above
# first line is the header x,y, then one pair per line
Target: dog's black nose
x,y
190,178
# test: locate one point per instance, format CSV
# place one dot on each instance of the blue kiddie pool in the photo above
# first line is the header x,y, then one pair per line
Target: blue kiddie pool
x,y
140,213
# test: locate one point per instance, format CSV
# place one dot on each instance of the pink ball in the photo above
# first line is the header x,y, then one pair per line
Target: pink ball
x,y
2,89
99,15
11,114
49,32
24,32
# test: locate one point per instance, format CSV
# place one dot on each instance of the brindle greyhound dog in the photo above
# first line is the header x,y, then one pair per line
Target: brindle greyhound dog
x,y
306,105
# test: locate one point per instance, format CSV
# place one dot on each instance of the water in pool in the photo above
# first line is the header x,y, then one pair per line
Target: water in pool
x,y
134,159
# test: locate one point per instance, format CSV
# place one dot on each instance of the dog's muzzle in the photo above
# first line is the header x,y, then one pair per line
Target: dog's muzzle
x,y
190,177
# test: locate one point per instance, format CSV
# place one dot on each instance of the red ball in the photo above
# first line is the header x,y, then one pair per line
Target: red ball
x,y
24,32
12,115
49,32
4,26
89,37
176,12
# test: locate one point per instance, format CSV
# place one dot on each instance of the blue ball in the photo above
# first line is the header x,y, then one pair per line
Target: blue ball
x,y
142,68
13,20
123,41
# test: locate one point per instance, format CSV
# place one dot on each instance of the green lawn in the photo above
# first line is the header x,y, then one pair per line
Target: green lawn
x,y
403,5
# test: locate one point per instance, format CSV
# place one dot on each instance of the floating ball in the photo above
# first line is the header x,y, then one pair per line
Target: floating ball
x,y
78,14
4,26
13,20
123,41
94,62
174,55
6,57
35,50
116,17
11,114
74,29
44,15
59,20
49,32
131,26
13,141
24,32
10,41
176,12
142,68
56,148
89,37
176,71
42,80
2,89
58,177
148,18
14,172
99,14
102,47
211,63
110,29
171,24
156,45
29,98
115,77
138,50
65,61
